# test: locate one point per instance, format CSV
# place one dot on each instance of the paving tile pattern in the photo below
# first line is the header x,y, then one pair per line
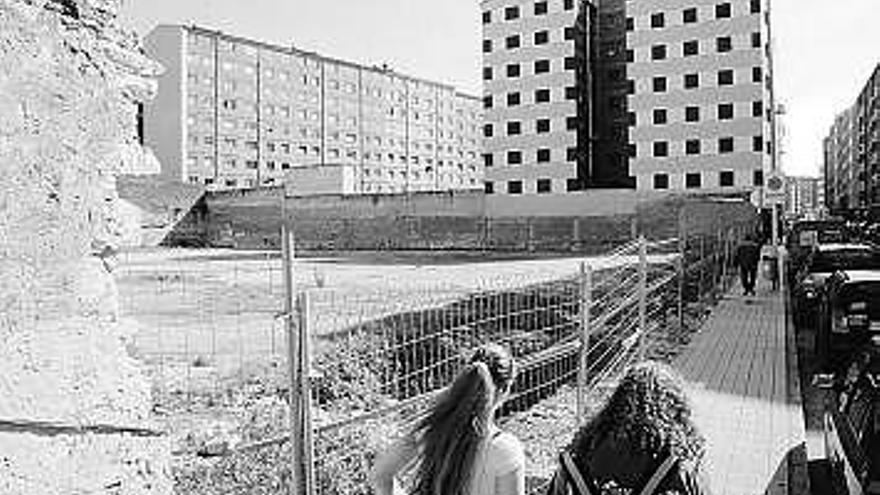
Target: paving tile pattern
x,y
742,371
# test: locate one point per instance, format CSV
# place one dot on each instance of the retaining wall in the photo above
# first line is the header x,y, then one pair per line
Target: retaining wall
x,y
447,221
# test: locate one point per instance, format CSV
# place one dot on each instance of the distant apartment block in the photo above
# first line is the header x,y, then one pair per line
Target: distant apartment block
x,y
803,196
843,190
852,153
699,94
236,113
536,96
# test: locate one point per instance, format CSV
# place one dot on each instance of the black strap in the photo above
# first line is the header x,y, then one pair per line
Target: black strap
x,y
658,476
575,476
585,485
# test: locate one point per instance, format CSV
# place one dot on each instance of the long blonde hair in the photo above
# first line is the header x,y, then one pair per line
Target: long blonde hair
x,y
451,432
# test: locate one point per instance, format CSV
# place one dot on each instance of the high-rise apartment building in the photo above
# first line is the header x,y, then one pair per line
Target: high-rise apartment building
x,y
852,153
700,95
802,197
843,190
537,95
237,113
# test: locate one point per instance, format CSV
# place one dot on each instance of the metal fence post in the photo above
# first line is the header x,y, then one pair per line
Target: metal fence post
x,y
296,322
682,249
643,295
701,273
586,302
305,481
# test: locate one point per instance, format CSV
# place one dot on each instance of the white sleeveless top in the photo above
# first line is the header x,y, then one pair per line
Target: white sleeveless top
x,y
501,454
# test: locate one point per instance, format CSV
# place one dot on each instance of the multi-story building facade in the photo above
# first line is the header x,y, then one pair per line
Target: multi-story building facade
x,y
802,197
237,113
700,95
842,189
537,94
852,154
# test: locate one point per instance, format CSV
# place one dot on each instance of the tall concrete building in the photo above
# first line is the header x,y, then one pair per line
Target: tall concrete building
x,y
843,190
803,197
700,95
852,154
237,113
537,94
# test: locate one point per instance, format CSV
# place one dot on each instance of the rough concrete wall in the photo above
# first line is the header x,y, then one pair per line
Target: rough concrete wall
x,y
74,406
248,220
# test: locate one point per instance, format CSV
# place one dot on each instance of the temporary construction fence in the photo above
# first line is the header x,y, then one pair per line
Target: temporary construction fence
x,y
359,364
207,322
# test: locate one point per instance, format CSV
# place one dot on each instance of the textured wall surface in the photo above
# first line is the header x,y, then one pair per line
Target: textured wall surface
x,y
252,220
74,406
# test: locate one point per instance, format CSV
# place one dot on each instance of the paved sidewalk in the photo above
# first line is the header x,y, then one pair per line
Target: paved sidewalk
x,y
742,369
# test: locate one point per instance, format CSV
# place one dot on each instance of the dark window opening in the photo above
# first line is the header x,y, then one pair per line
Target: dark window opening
x,y
661,181
725,178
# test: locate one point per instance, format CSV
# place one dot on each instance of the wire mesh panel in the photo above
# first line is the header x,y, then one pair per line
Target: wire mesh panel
x,y
384,339
211,341
380,359
207,320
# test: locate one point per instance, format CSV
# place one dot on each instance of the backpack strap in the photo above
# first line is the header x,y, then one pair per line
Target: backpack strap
x,y
658,476
574,474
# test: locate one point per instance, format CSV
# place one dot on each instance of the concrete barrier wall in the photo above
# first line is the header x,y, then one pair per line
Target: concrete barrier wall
x,y
450,221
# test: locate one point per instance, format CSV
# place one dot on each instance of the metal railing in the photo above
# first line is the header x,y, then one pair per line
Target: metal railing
x,y
363,362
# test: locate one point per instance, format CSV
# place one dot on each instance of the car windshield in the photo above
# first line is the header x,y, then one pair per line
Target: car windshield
x,y
849,259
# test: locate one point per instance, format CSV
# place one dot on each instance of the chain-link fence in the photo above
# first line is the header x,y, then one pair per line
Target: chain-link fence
x,y
371,353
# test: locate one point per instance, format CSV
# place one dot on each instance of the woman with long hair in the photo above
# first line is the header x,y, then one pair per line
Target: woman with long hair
x,y
456,446
642,441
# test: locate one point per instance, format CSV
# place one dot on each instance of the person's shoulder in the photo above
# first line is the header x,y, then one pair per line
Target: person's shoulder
x,y
506,441
507,452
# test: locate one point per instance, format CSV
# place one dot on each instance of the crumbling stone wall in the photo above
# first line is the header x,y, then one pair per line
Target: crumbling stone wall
x,y
74,406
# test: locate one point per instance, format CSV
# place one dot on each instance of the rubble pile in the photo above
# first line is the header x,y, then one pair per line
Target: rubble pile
x,y
75,407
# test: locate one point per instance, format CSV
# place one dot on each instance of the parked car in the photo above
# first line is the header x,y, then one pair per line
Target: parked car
x,y
849,317
805,235
824,260
852,428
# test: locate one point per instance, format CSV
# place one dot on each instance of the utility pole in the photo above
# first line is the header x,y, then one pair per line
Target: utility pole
x,y
774,144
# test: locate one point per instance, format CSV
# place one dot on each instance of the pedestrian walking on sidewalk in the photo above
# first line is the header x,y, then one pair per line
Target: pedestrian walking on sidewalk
x,y
747,257
642,442
456,447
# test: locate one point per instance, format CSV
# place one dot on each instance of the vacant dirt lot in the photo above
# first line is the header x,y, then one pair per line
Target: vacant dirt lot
x,y
217,309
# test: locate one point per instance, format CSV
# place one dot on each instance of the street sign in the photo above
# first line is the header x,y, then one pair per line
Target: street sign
x,y
774,190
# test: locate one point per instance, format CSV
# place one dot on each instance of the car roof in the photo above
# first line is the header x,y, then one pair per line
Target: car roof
x,y
840,246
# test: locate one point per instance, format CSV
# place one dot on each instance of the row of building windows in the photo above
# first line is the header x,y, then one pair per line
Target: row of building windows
x,y
690,15
725,77
691,48
694,180
233,86
725,111
540,67
660,149
542,126
541,95
306,150
539,38
269,181
726,178
513,13
286,147
542,155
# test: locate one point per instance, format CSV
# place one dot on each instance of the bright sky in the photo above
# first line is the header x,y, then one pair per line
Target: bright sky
x,y
825,49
